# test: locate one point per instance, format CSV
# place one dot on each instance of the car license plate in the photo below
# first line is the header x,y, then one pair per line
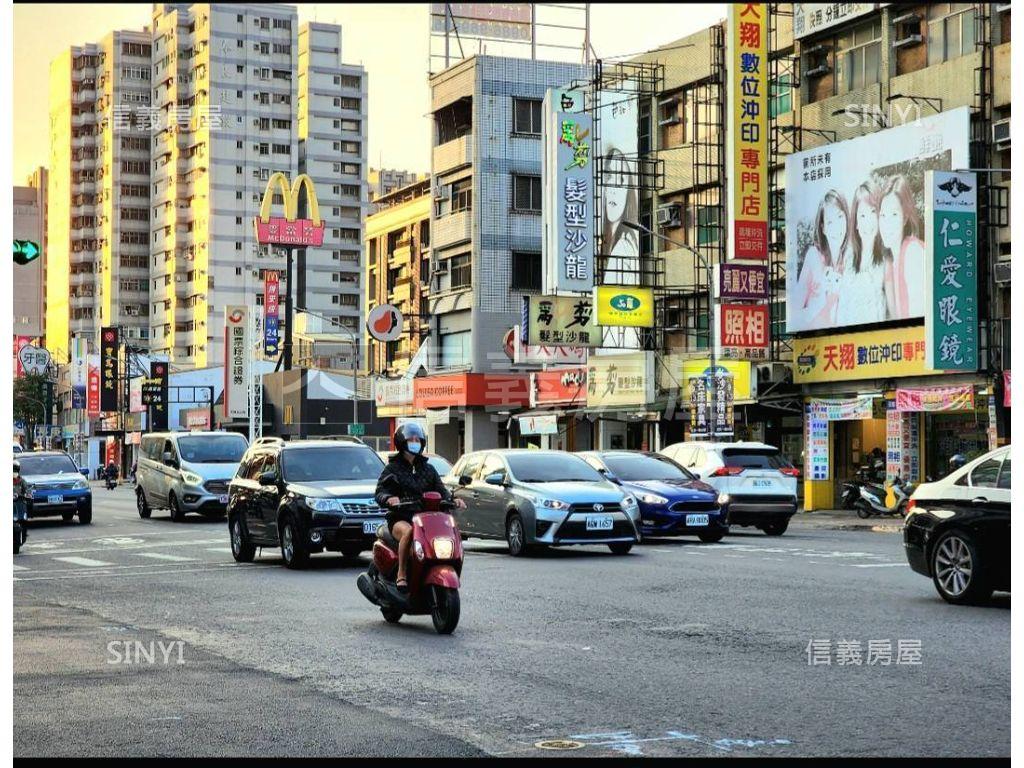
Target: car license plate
x,y
762,483
695,521
599,522
54,499
223,498
370,526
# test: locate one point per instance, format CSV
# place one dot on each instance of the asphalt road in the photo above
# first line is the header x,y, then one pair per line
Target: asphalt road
x,y
678,649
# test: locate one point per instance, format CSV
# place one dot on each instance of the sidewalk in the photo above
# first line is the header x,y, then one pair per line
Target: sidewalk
x,y
847,520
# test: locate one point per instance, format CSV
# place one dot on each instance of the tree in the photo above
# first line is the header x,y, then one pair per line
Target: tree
x,y
29,404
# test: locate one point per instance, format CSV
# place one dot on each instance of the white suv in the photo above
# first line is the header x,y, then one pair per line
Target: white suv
x,y
759,480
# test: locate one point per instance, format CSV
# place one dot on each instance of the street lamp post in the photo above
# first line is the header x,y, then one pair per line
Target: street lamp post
x,y
711,306
355,359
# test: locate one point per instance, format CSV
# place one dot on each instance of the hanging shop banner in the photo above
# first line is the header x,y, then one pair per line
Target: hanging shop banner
x,y
888,354
79,372
568,210
522,353
620,380
711,403
816,442
545,424
624,306
747,131
911,465
1006,389
110,345
993,429
155,394
461,390
951,281
565,386
747,282
19,343
271,301
862,202
743,331
845,409
560,320
739,370
392,392
93,387
135,395
810,18
935,399
236,361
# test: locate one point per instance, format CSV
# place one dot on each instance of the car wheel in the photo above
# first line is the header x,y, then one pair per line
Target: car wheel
x,y
958,572
515,534
776,527
351,552
241,548
142,505
711,537
67,517
177,515
391,615
444,611
293,545
85,515
621,547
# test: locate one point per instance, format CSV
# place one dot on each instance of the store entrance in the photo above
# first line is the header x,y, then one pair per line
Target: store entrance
x,y
948,434
852,442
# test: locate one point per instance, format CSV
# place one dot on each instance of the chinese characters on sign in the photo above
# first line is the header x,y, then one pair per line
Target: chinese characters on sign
x,y
561,320
92,405
154,394
624,306
707,412
127,117
110,344
270,306
236,363
936,399
620,380
809,18
748,130
744,331
852,653
816,451
951,322
891,353
743,281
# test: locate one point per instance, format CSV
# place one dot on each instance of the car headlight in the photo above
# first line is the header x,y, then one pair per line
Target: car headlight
x,y
652,498
723,499
443,547
417,549
81,485
553,504
191,478
325,505
629,502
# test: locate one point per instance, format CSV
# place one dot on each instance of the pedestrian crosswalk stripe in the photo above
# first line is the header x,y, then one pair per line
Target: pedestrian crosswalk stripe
x,y
82,561
20,568
161,556
218,549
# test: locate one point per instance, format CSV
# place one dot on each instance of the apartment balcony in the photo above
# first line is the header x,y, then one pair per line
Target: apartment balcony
x,y
452,229
452,155
78,279
401,255
402,291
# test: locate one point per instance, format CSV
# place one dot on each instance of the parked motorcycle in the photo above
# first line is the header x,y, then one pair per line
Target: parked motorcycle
x,y
435,564
876,500
850,494
20,510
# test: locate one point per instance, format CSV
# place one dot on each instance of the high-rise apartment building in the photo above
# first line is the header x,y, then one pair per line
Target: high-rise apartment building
x,y
384,181
30,279
98,191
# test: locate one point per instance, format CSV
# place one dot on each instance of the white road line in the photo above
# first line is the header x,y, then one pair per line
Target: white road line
x,y
878,565
20,568
138,573
83,561
161,556
130,548
218,549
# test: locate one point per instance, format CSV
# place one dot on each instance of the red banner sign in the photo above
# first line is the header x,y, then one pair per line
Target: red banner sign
x,y
744,331
19,342
935,399
567,386
467,389
92,402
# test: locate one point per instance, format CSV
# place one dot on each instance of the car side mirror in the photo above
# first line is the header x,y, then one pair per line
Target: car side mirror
x,y
465,480
169,459
85,472
268,478
496,478
609,476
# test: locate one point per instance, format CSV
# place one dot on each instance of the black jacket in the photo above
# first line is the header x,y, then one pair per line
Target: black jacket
x,y
408,481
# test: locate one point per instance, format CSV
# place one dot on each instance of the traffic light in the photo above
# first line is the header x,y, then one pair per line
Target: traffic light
x,y
25,251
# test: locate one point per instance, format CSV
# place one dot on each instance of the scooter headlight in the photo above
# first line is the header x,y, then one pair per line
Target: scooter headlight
x,y
417,549
443,547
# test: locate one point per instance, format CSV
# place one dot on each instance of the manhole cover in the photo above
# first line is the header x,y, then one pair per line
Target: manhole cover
x,y
559,744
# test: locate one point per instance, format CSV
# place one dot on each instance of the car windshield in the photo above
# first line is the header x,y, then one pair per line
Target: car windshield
x,y
47,465
636,466
754,458
212,449
320,465
440,464
551,468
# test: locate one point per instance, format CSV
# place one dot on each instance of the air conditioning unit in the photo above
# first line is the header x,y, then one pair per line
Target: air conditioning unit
x,y
908,30
1001,133
1001,271
773,373
441,193
669,215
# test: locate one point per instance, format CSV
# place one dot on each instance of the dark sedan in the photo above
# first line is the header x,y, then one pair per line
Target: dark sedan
x,y
957,530
672,500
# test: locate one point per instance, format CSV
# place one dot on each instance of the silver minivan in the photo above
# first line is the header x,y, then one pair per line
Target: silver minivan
x,y
187,472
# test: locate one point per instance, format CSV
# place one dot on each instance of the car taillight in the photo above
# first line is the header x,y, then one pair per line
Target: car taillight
x,y
726,471
791,471
911,504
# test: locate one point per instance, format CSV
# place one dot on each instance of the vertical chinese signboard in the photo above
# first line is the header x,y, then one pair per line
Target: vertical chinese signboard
x,y
110,344
92,406
236,363
816,447
711,405
154,394
79,372
951,223
271,299
568,208
747,130
744,331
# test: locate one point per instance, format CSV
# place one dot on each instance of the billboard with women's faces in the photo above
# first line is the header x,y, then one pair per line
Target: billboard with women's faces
x,y
855,234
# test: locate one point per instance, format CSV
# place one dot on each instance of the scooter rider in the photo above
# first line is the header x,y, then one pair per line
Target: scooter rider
x,y
407,477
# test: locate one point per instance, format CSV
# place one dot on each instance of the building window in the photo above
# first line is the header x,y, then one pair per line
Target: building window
x,y
860,51
527,116
461,271
708,224
526,271
455,349
950,31
349,299
780,96
526,191
462,195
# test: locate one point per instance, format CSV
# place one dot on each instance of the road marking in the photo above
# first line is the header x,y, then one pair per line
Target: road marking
x,y
136,574
125,548
20,568
83,561
161,556
877,565
218,549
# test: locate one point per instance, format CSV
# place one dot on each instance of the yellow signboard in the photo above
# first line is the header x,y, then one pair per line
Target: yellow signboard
x,y
888,354
618,380
622,305
738,369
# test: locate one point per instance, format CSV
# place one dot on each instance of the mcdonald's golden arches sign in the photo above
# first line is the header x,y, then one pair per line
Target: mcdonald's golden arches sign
x,y
290,229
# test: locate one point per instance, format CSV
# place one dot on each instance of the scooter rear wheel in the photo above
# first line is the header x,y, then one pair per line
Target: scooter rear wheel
x,y
445,610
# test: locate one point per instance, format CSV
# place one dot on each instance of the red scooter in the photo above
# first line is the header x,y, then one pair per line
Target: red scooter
x,y
435,564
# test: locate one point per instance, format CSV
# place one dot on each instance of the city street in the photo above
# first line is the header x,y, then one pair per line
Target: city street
x,y
678,649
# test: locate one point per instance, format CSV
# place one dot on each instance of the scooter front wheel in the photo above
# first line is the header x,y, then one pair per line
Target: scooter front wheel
x,y
863,512
445,610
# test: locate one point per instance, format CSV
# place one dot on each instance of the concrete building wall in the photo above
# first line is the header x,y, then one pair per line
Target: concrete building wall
x,y
29,279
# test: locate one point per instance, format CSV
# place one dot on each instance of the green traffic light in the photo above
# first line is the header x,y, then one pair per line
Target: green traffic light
x,y
25,251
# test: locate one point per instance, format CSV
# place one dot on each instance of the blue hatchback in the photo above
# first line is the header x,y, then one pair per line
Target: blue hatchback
x,y
672,501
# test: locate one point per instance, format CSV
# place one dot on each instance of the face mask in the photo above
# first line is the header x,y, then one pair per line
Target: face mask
x,y
414,448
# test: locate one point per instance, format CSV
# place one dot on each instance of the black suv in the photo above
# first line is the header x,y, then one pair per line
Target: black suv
x,y
304,496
